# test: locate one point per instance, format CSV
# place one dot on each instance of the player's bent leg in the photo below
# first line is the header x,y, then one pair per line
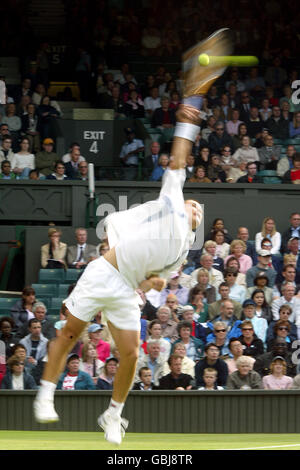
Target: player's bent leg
x,y
127,342
43,406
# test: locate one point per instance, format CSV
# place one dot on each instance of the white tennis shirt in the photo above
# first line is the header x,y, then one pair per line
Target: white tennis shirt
x,y
154,237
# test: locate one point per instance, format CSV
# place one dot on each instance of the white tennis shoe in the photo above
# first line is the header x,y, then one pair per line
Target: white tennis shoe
x,y
44,411
113,426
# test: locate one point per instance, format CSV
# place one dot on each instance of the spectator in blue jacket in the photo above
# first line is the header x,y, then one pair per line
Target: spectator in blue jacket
x,y
73,378
160,169
16,377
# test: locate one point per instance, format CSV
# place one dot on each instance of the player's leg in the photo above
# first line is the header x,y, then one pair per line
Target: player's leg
x,y
57,356
127,343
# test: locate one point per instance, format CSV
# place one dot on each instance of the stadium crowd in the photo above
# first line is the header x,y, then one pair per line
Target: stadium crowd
x,y
228,319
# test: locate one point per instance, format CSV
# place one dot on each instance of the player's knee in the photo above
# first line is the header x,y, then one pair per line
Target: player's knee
x,y
131,355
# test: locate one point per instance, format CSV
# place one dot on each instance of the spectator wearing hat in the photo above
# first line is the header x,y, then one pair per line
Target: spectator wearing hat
x,y
103,348
261,282
174,287
129,154
277,380
73,378
260,325
263,266
46,159
106,379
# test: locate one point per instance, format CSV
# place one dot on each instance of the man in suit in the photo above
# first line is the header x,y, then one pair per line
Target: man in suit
x,y
151,161
292,232
79,255
71,167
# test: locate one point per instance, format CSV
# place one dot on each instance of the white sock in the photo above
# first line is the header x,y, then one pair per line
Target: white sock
x,y
46,389
115,407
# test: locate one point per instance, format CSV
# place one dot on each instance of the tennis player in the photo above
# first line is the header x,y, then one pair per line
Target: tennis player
x,y
146,243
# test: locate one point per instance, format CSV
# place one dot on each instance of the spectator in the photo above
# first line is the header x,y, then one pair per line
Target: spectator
x,y
6,152
39,310
47,115
293,175
106,379
151,161
153,361
158,172
190,167
174,287
245,106
238,250
199,175
35,342
285,312
246,153
134,106
277,126
243,234
281,329
83,171
30,126
59,172
237,292
145,382
210,247
286,162
46,159
53,253
16,377
89,361
24,160
169,326
226,160
187,365
175,380
260,325
236,349
198,300
164,117
269,154
251,175
268,230
218,224
219,336
218,138
233,262
237,139
22,311
152,101
210,127
214,309
201,278
210,380
262,309
79,255
73,378
263,362
67,156
222,247
244,378
277,380
265,111
211,360
254,123
288,297
71,167
255,84
294,126
276,75
292,231
6,173
252,345
14,124
215,172
7,336
194,346
154,335
264,259
232,126
102,347
129,155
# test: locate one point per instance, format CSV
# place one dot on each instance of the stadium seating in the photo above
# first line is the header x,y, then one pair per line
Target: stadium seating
x,y
71,275
51,276
45,290
6,304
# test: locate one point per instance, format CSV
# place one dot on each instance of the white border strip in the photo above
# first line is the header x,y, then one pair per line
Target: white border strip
x,y
266,447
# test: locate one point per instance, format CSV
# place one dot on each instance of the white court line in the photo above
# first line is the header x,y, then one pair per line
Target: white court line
x,y
267,447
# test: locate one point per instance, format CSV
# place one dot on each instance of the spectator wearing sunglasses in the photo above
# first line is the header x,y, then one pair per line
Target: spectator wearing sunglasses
x,y
282,329
252,345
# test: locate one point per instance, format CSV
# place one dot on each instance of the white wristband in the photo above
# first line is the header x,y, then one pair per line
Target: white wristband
x,y
186,131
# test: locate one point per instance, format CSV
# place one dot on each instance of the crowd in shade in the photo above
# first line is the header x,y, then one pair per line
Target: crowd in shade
x,y
229,319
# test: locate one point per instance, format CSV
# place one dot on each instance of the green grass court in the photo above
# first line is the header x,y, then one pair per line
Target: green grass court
x,y
52,440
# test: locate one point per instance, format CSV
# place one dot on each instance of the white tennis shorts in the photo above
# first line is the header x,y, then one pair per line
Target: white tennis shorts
x,y
101,287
